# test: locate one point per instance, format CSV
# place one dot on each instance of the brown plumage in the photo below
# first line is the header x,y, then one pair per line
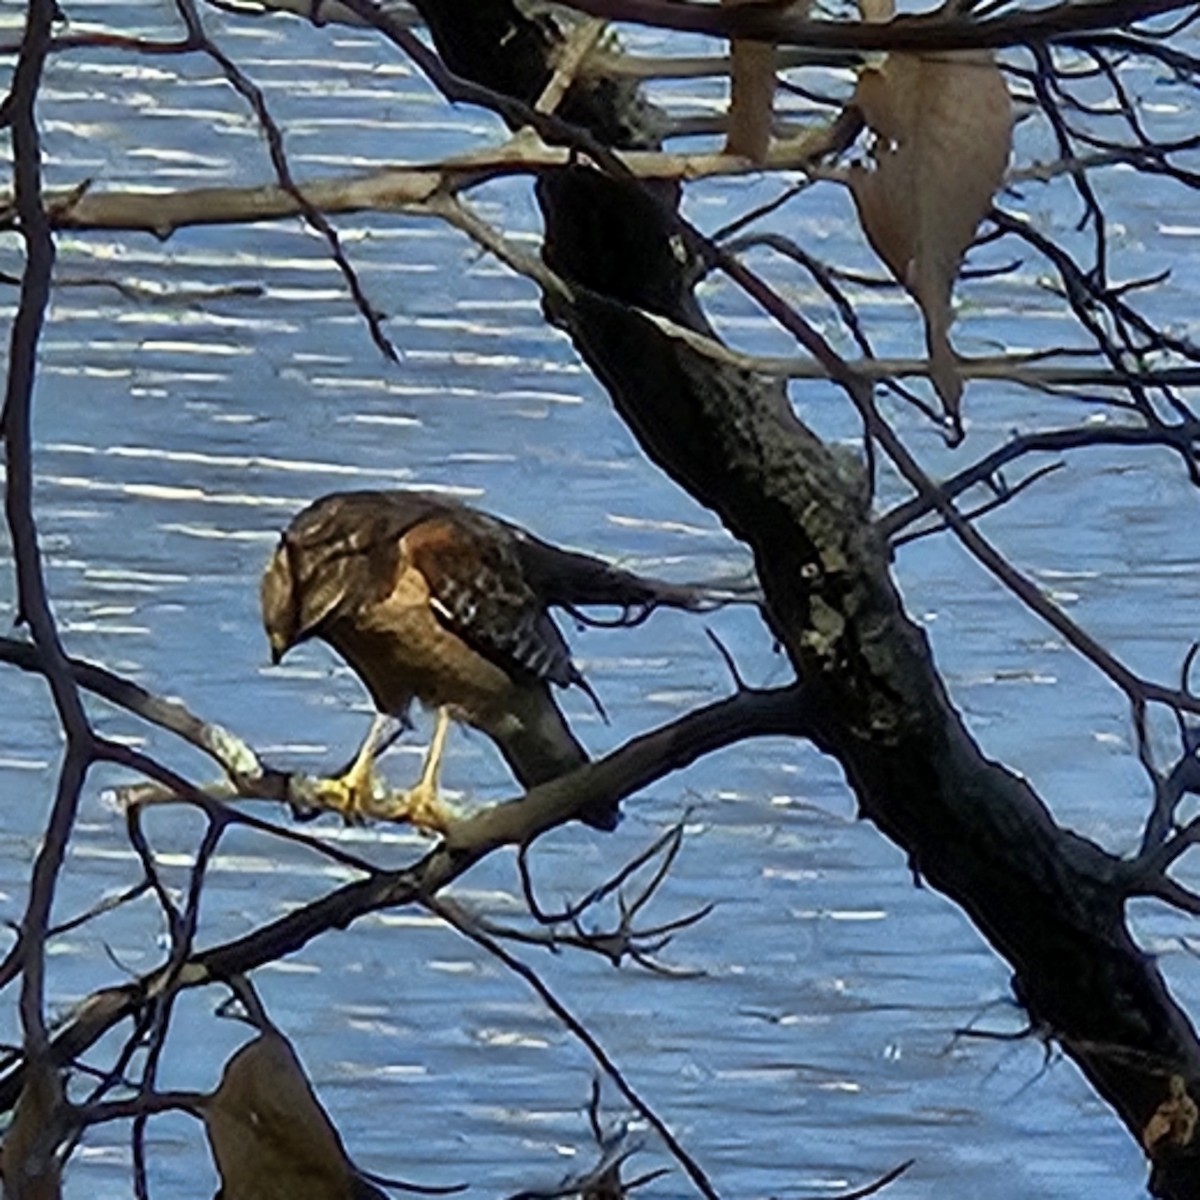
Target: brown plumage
x,y
431,600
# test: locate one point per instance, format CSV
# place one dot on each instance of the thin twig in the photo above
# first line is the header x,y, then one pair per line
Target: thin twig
x,y
313,216
580,1032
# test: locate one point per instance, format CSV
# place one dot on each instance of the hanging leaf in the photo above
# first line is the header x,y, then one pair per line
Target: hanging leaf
x,y
29,1157
943,124
270,1137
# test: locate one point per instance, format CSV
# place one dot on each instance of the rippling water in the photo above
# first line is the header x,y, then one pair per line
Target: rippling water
x,y
177,431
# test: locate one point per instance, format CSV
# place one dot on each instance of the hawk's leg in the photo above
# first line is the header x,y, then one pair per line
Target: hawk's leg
x,y
421,805
353,792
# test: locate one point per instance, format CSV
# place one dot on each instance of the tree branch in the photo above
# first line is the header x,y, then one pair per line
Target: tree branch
x,y
940,30
633,766
15,422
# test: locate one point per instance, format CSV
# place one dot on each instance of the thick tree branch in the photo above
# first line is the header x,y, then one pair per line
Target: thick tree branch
x,y
940,30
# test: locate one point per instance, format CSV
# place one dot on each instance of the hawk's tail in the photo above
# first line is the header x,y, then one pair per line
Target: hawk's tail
x,y
539,747
568,580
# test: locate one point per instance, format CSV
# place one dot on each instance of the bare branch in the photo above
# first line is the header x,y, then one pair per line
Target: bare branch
x,y
858,389
580,1032
231,753
626,770
1005,494
394,189
1184,438
570,63
106,40
15,425
577,908
879,1184
933,31
313,216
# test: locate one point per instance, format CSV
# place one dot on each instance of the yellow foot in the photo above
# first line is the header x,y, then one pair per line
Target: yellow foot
x,y
422,806
353,793
350,798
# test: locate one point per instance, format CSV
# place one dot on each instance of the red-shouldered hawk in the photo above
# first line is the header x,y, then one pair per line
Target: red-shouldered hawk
x,y
431,600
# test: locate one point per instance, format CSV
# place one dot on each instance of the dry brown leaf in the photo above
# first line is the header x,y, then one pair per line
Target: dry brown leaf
x,y
944,129
28,1158
270,1137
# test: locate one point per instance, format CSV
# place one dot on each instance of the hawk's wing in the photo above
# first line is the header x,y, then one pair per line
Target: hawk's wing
x,y
480,591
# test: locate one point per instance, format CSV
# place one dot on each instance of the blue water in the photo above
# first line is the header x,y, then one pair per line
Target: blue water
x,y
818,1047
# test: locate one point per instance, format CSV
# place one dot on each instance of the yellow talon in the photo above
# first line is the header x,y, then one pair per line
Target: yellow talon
x,y
421,805
359,795
352,794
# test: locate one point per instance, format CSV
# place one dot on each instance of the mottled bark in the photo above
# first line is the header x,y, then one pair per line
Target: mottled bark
x,y
1051,902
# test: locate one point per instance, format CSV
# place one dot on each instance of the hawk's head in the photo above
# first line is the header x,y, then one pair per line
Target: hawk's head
x,y
280,603
304,586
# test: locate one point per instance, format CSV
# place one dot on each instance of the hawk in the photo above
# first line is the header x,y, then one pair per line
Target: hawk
x,y
429,599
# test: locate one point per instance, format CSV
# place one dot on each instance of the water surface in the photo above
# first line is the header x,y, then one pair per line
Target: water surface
x,y
176,434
